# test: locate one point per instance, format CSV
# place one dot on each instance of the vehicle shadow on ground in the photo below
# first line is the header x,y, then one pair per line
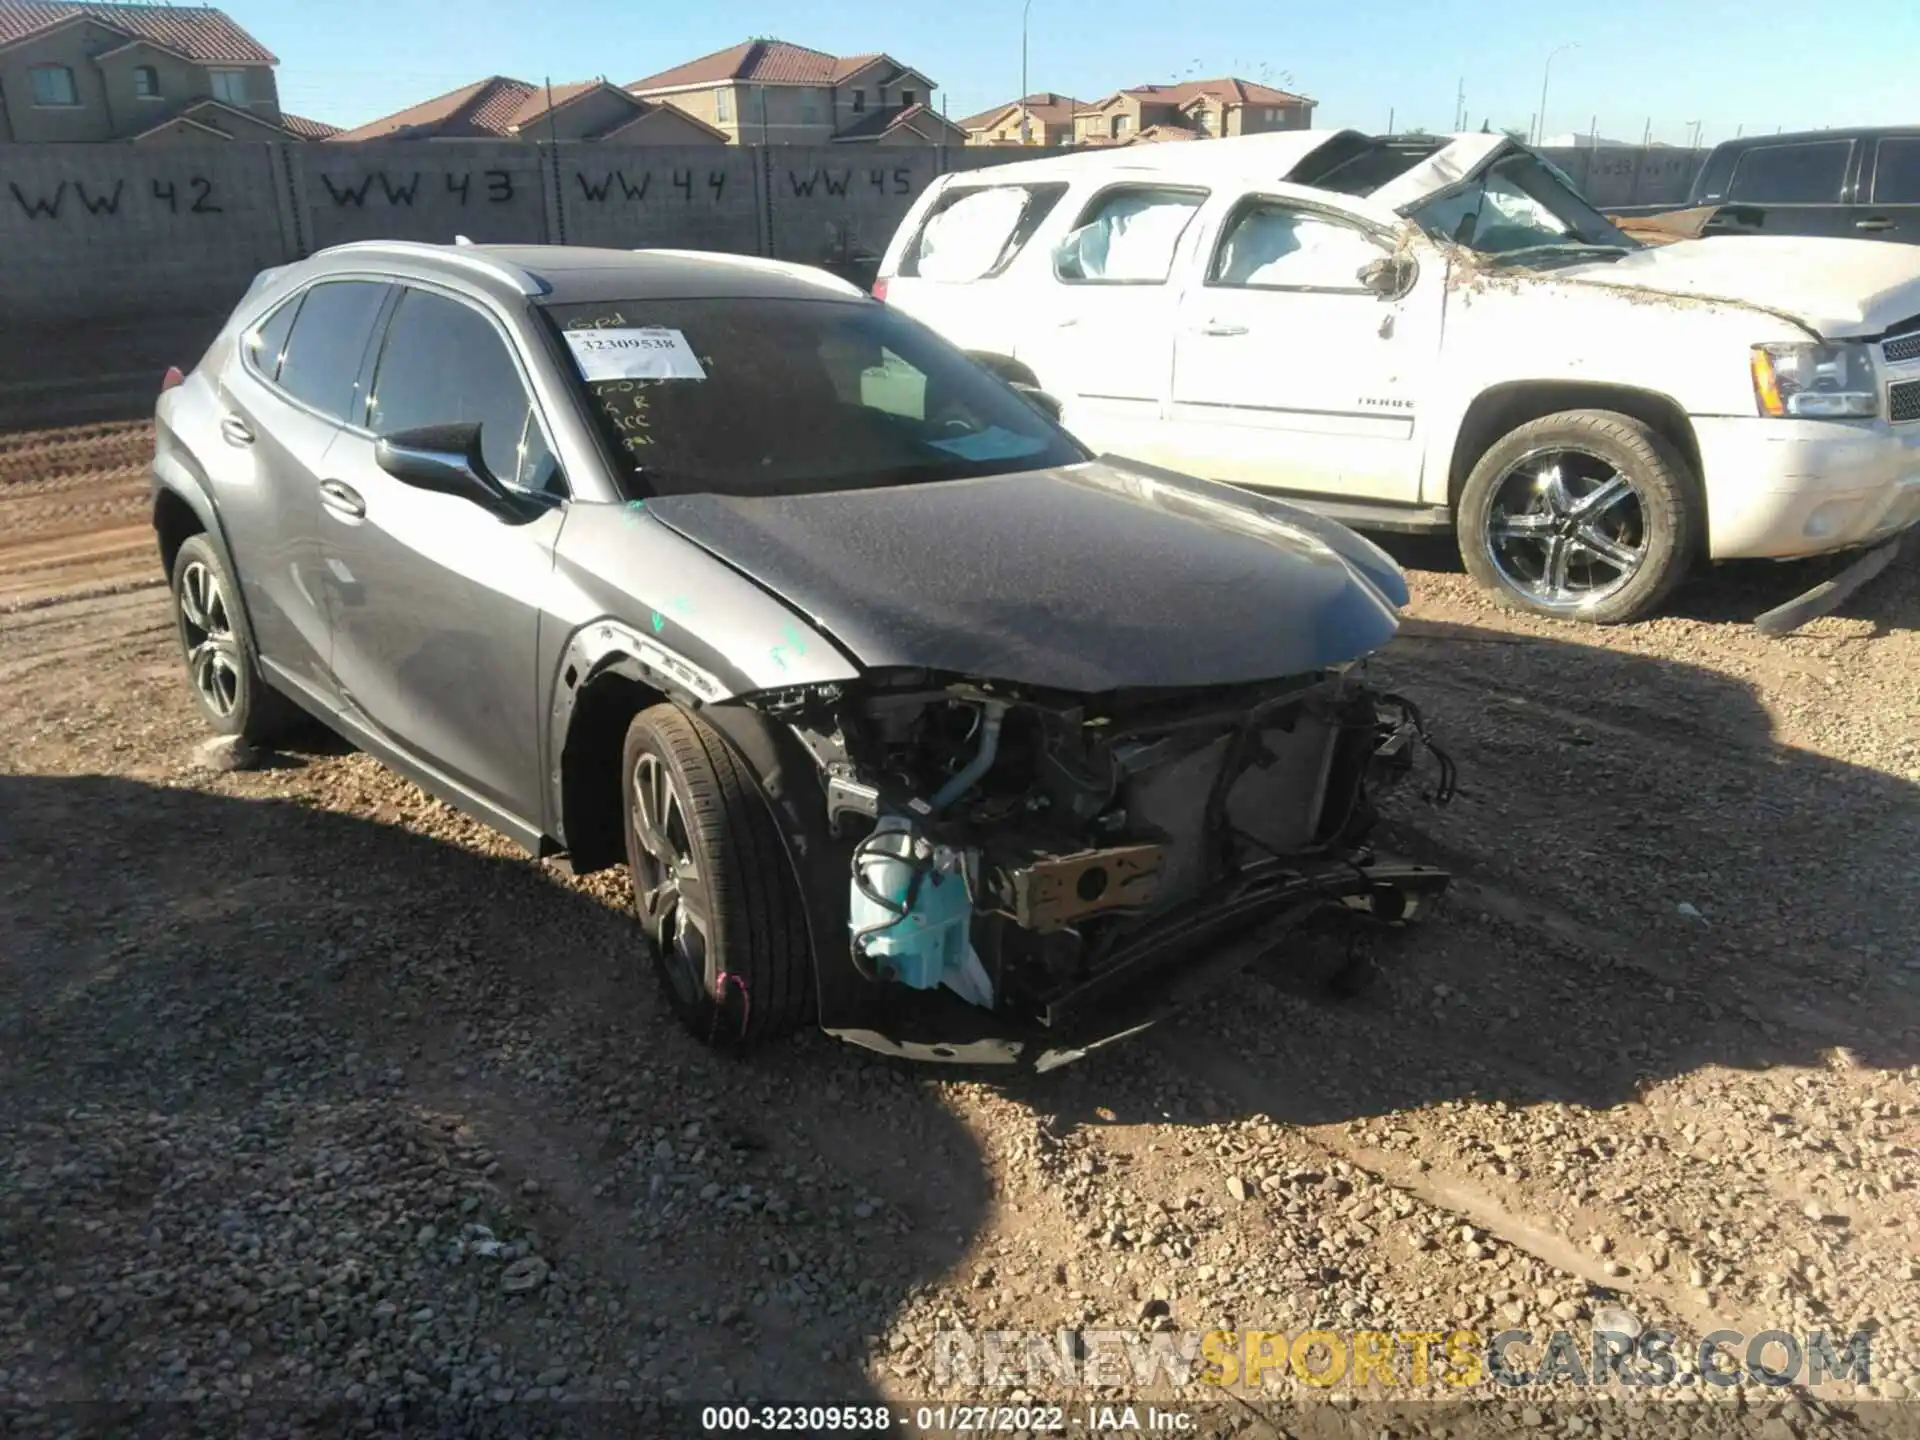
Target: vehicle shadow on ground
x,y
226,1023
1649,884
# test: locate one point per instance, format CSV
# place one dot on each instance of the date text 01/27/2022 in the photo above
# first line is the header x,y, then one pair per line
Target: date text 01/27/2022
x,y
946,1419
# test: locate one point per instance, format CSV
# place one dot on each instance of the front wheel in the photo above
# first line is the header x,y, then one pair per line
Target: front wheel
x,y
1583,515
711,883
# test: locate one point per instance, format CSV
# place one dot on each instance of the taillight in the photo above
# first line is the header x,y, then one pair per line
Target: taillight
x,y
172,378
880,288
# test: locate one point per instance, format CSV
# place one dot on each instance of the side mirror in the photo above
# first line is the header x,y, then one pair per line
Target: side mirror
x,y
1389,277
447,460
1047,405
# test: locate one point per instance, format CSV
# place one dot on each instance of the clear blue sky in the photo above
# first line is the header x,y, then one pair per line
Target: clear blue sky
x,y
1726,63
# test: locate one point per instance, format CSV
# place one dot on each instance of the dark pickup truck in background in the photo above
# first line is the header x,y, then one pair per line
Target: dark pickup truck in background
x,y
1863,183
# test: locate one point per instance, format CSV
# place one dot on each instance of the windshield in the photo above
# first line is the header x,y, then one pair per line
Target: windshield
x,y
1525,211
790,397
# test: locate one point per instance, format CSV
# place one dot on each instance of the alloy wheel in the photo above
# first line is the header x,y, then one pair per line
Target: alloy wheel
x,y
1565,529
213,650
669,892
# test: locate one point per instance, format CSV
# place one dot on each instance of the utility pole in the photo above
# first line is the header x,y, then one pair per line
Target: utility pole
x,y
1546,73
1460,105
1389,120
1646,136
1026,132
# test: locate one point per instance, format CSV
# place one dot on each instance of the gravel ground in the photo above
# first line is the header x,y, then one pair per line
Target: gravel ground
x,y
318,1101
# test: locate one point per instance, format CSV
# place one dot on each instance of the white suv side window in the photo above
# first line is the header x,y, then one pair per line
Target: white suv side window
x,y
1127,237
1273,246
965,240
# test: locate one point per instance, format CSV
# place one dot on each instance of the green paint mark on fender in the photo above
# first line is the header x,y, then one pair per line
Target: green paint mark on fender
x,y
794,643
659,622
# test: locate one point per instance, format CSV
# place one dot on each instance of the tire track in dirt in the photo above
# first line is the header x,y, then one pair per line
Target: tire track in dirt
x,y
73,512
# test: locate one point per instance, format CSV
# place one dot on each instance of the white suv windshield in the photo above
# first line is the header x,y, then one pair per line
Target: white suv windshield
x,y
1522,210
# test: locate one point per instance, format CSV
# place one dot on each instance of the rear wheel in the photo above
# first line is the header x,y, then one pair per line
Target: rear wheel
x,y
1584,515
711,884
222,665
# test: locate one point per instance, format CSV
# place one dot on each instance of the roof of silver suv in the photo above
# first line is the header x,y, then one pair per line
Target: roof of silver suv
x,y
563,274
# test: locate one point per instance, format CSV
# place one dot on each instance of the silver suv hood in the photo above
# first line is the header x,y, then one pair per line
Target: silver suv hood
x,y
1094,577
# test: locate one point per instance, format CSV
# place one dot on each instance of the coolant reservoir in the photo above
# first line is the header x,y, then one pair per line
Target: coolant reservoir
x,y
929,944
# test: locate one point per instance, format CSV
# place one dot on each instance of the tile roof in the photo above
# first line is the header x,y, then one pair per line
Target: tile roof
x,y
197,32
1161,134
484,108
181,122
203,112
1226,89
765,62
648,110
536,104
1044,106
916,117
307,129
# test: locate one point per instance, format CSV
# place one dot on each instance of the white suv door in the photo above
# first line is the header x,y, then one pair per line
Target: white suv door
x,y
1292,374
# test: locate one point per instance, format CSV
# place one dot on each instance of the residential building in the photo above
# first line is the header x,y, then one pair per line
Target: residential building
x,y
1205,108
151,73
1049,121
776,93
501,108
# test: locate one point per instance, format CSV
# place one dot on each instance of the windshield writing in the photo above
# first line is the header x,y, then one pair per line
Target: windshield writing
x,y
783,397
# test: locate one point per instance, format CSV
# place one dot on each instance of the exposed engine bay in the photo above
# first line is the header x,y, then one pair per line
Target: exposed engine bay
x,y
1034,855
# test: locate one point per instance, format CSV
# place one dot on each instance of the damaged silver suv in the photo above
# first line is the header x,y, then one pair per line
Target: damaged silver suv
x,y
906,712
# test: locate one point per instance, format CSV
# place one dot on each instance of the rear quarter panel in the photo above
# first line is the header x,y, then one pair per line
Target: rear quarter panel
x,y
185,420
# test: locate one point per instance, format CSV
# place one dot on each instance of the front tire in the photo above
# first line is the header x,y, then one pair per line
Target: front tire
x,y
222,664
1585,515
711,884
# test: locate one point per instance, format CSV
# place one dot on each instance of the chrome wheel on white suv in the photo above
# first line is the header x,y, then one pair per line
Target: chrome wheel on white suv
x,y
1583,515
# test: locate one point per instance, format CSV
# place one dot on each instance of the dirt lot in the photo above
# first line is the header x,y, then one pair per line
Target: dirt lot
x,y
314,1095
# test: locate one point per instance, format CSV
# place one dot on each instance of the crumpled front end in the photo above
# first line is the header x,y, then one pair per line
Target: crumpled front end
x,y
1029,873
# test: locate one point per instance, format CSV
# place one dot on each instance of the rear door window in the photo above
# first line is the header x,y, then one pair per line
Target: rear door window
x,y
266,342
1896,174
977,231
1127,236
1806,174
321,364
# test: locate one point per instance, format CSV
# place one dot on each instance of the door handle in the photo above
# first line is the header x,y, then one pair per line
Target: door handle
x,y
234,430
1873,222
1218,329
343,499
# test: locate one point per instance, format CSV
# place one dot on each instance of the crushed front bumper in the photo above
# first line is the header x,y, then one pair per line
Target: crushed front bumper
x,y
1165,965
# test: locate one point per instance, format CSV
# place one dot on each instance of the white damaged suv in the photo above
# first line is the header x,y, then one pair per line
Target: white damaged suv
x,y
1432,333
